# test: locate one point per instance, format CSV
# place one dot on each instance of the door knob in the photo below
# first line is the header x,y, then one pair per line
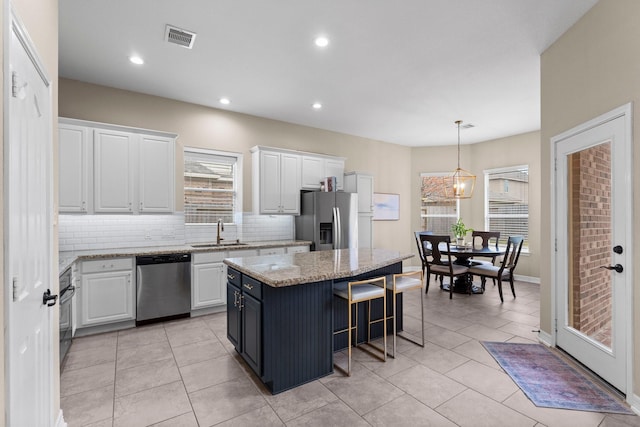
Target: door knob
x,y
48,299
617,249
618,268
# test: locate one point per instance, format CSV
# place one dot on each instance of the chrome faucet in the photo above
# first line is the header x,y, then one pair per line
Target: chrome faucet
x,y
220,228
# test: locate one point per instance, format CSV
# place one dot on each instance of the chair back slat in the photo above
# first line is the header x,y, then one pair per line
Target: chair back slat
x,y
486,237
512,253
431,242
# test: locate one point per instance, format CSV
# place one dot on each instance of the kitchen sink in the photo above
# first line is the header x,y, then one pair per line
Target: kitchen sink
x,y
217,245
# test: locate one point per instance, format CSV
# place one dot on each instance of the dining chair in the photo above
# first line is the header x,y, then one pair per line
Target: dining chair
x,y
487,238
440,263
423,252
505,270
359,291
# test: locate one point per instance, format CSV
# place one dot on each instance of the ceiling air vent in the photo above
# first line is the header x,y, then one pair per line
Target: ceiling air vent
x,y
179,36
467,126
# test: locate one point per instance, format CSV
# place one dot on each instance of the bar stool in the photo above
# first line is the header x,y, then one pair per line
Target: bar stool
x,y
401,283
354,293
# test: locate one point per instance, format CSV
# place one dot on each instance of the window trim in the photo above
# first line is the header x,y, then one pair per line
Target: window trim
x,y
487,215
237,178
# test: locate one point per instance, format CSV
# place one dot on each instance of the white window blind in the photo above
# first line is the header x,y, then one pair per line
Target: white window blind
x,y
210,187
437,212
507,202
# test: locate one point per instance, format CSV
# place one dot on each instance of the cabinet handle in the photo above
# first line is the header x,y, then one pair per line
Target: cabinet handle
x,y
246,285
141,207
241,306
235,298
230,276
130,207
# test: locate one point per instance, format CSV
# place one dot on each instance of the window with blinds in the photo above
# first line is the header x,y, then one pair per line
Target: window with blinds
x,y
210,187
507,202
437,212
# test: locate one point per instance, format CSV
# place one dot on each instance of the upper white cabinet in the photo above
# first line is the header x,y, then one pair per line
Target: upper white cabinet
x,y
156,178
74,164
113,169
276,181
315,168
113,173
361,183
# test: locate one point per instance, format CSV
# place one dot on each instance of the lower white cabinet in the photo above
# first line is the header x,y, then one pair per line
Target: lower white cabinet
x,y
297,249
107,292
272,251
365,231
208,280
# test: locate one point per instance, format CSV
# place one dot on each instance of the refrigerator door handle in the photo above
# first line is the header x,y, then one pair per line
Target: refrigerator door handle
x,y
339,228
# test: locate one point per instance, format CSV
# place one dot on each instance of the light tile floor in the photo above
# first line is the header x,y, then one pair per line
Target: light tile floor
x,y
186,373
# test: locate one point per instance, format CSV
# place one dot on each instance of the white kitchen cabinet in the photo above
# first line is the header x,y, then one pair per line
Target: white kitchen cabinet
x,y
297,249
114,169
107,292
156,179
113,175
362,184
208,280
315,168
335,167
74,150
276,182
272,251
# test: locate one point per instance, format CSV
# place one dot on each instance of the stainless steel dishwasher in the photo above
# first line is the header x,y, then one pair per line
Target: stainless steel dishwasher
x,y
163,287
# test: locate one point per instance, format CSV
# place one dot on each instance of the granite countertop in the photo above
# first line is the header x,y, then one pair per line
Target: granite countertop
x,y
67,258
308,267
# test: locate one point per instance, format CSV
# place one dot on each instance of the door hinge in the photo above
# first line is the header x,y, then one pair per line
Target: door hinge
x,y
555,244
14,86
14,285
555,324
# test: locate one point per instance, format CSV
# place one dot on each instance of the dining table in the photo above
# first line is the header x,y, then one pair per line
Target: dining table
x,y
464,254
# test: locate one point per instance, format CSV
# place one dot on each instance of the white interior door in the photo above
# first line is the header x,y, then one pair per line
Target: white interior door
x,y
593,258
28,205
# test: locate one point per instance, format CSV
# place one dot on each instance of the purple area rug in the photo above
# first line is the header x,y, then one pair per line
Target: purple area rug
x,y
548,381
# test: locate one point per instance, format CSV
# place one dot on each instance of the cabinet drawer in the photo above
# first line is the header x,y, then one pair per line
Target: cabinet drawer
x,y
208,257
108,264
252,287
233,277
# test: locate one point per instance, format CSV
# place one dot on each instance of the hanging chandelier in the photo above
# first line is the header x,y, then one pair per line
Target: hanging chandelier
x,y
460,184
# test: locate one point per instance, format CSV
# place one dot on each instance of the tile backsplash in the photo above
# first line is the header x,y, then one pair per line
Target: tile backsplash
x,y
89,232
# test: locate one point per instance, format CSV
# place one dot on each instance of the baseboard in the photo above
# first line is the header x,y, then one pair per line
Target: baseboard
x,y
545,338
528,279
208,310
60,422
634,402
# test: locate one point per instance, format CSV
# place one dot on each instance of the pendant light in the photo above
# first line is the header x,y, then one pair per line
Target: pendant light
x,y
460,184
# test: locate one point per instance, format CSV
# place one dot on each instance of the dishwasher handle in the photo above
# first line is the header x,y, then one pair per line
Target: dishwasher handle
x,y
163,259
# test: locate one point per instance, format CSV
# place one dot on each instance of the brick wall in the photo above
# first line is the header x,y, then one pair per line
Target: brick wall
x,y
591,244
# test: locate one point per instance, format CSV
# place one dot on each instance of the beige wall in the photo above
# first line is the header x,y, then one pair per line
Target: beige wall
x,y
40,19
512,151
205,127
593,68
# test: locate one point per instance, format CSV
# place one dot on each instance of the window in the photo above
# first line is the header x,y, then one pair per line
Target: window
x,y
507,202
211,186
437,212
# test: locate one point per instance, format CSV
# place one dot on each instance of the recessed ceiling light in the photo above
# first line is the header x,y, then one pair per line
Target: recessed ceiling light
x,y
225,101
316,106
136,60
321,41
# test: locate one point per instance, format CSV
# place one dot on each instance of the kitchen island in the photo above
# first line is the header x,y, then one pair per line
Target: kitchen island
x,y
281,312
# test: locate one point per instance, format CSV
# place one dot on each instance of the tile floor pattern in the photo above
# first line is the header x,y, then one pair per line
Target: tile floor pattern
x,y
186,373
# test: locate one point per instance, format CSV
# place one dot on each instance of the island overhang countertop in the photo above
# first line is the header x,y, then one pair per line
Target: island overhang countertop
x,y
309,267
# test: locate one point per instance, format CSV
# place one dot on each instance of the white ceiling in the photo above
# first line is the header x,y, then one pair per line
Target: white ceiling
x,y
394,71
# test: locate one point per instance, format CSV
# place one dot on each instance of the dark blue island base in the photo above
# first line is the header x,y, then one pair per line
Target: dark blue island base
x,y
285,334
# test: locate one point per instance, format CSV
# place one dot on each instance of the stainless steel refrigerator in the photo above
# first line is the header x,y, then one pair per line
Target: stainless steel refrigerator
x,y
328,219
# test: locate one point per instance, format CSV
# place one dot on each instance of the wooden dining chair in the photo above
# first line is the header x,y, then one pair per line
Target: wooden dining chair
x,y
487,239
505,270
441,264
424,253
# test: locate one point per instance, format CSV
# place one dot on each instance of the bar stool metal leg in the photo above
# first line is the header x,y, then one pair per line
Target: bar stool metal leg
x,y
402,283
354,293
